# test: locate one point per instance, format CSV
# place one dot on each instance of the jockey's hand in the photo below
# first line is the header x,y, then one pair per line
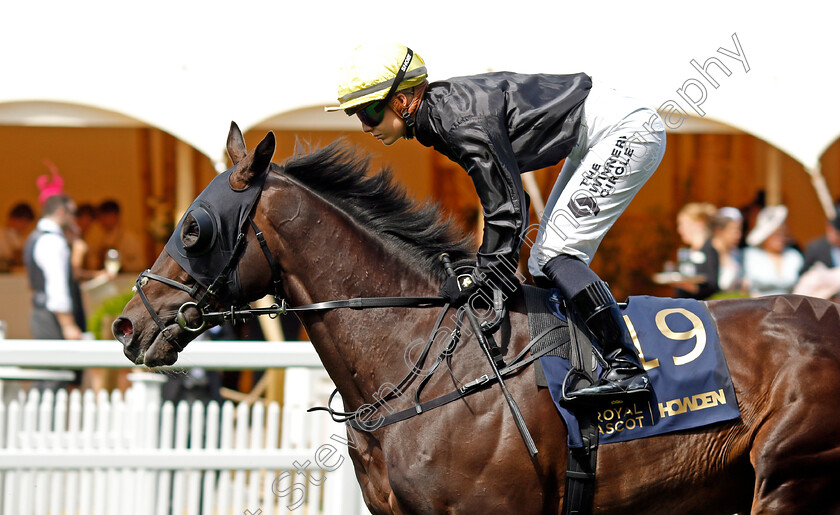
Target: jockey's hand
x,y
485,301
458,289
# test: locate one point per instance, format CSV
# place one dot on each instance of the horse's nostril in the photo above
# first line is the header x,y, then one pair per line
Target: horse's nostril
x,y
122,329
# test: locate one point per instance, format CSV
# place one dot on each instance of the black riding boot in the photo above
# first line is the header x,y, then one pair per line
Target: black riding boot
x,y
623,379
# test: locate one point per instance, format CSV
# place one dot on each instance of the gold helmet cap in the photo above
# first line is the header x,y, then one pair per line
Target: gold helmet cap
x,y
370,73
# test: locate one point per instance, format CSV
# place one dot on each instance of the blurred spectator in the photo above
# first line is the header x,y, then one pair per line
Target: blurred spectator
x,y
50,186
750,212
77,251
826,249
47,259
726,236
698,263
79,247
771,266
820,281
18,224
110,234
85,217
820,274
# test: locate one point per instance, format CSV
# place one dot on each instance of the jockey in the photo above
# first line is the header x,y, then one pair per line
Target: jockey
x,y
500,125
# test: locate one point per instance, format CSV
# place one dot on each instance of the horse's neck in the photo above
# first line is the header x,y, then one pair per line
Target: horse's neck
x,y
363,350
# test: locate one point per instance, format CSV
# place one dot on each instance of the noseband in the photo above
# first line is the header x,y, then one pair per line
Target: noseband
x,y
201,303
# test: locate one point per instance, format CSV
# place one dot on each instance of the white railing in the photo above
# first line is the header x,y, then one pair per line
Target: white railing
x,y
107,454
224,355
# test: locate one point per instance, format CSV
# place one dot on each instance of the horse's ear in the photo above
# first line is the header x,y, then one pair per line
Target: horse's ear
x,y
265,151
236,144
254,165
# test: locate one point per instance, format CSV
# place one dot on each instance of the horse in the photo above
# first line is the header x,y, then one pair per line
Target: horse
x,y
325,227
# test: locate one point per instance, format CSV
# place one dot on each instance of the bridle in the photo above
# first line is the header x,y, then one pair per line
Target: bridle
x,y
211,292
233,314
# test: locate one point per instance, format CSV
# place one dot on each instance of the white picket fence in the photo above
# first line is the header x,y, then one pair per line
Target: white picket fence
x,y
82,454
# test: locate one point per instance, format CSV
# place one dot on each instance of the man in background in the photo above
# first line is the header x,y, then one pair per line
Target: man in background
x,y
825,250
820,274
47,258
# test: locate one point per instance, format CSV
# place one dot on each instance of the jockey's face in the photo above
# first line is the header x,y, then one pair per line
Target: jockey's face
x,y
392,127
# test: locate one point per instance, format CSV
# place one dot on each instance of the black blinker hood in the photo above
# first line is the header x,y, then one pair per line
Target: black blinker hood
x,y
229,211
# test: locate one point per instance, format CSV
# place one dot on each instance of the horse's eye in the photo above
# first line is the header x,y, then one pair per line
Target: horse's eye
x,y
190,231
198,232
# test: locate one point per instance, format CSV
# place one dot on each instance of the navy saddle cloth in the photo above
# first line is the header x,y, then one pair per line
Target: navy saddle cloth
x,y
678,346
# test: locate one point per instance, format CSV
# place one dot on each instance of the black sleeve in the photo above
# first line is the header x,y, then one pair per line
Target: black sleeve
x,y
816,251
484,151
711,269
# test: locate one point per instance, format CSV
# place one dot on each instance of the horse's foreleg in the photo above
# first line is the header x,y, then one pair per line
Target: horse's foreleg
x,y
370,471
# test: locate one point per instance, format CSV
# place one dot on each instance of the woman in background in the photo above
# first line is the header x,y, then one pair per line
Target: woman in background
x,y
699,262
771,267
726,235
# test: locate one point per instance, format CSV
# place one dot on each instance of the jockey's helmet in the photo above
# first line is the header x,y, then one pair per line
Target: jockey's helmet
x,y
370,73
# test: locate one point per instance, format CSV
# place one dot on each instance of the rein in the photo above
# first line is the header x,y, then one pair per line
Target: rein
x,y
233,314
474,386
283,307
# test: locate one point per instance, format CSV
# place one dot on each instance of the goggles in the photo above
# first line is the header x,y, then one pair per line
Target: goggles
x,y
373,113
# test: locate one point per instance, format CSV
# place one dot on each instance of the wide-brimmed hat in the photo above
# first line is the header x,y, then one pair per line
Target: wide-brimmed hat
x,y
730,213
768,221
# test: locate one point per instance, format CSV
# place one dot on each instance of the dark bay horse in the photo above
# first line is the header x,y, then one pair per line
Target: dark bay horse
x,y
336,232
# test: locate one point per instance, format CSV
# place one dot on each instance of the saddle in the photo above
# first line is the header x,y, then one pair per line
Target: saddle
x,y
678,345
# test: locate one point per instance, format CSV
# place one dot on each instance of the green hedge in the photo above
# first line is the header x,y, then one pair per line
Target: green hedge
x,y
110,309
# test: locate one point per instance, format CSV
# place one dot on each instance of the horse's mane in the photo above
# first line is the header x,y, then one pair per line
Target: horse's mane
x,y
340,173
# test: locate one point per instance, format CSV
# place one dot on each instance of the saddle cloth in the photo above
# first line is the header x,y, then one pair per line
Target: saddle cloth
x,y
678,345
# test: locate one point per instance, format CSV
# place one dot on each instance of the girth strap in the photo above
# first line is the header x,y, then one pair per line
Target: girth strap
x,y
581,463
580,469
